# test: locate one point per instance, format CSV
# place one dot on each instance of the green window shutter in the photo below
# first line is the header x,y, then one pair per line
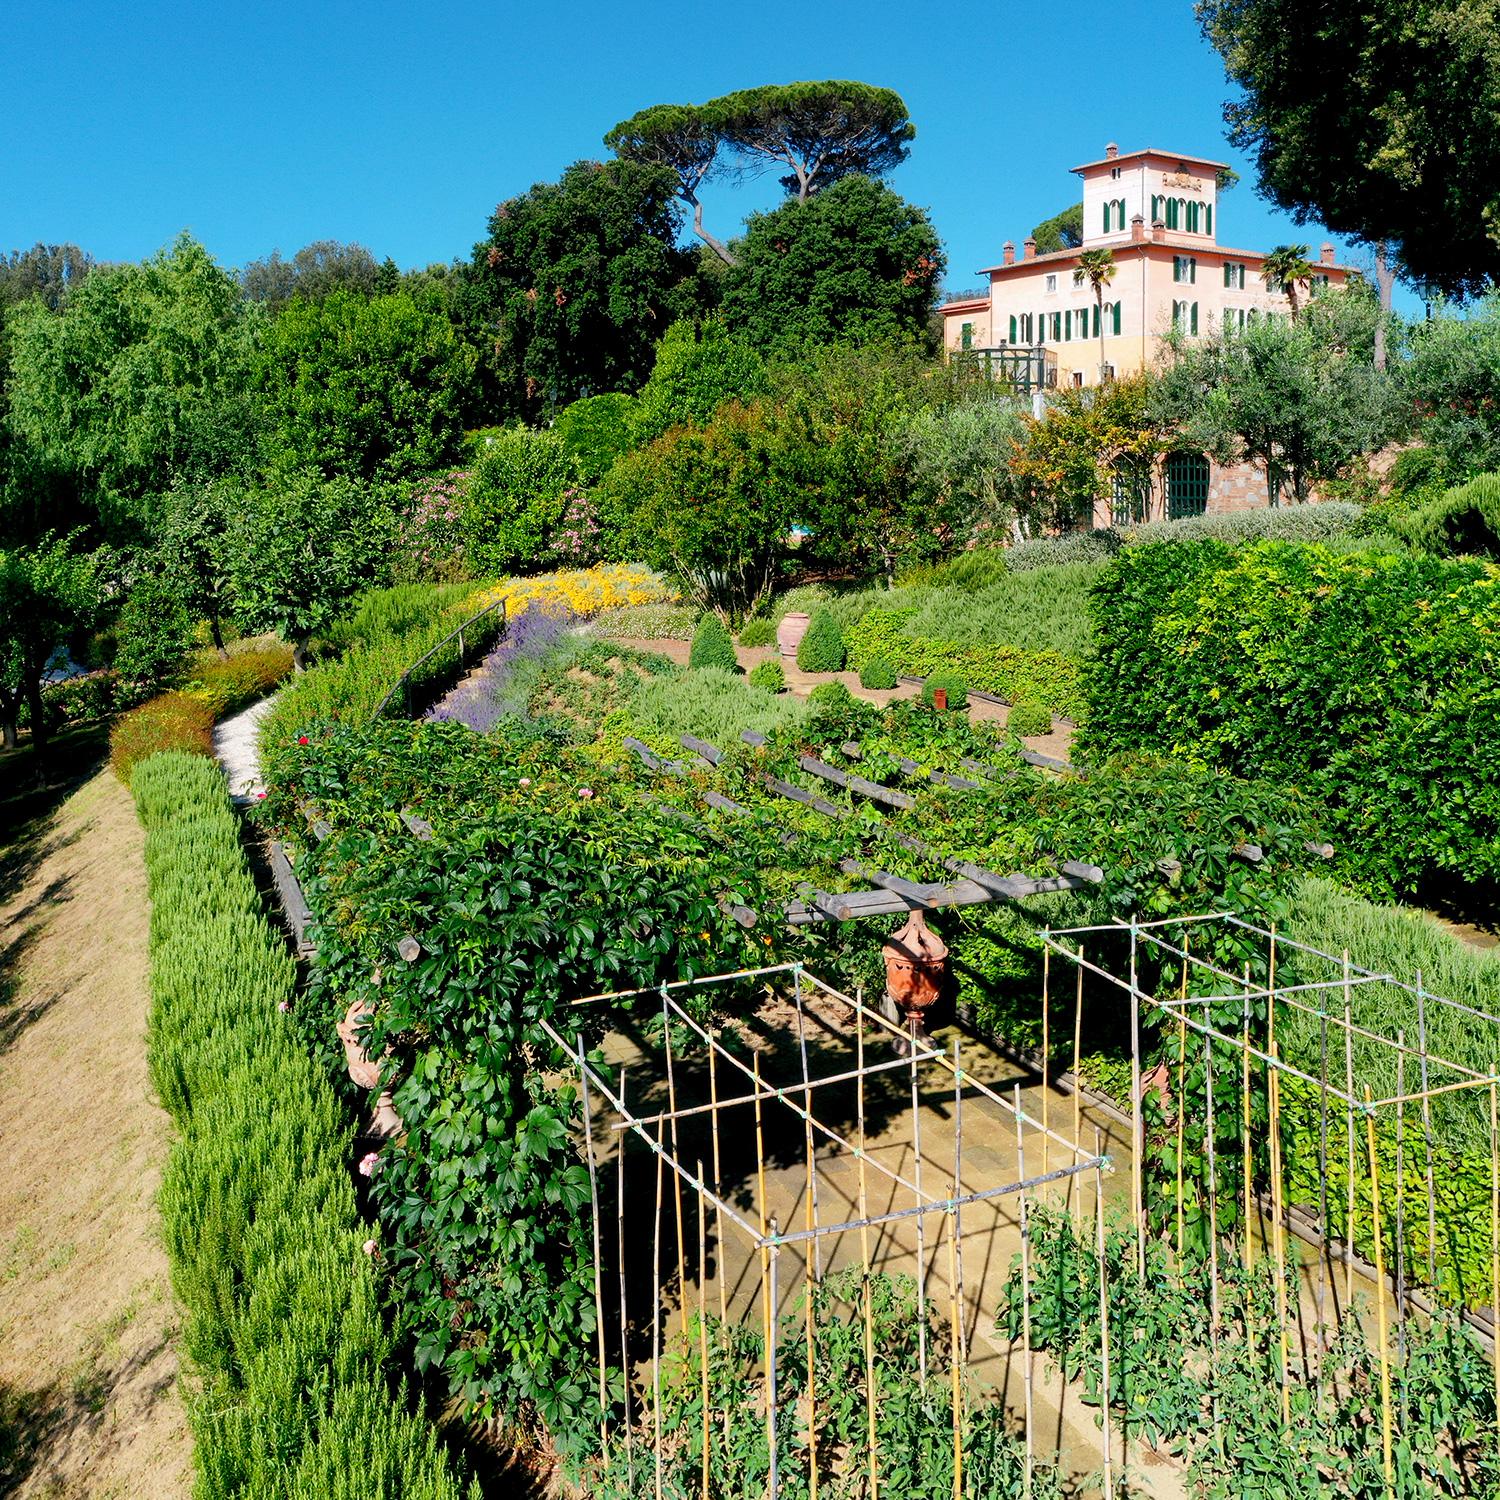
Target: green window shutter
x,y
1193,319
1012,328
1057,328
1228,274
1193,269
1068,323
1096,320
1208,218
1117,320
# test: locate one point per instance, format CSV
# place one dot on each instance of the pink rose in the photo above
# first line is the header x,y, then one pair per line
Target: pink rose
x,y
368,1163
585,792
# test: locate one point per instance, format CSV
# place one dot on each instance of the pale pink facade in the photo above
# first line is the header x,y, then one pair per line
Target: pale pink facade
x,y
1157,212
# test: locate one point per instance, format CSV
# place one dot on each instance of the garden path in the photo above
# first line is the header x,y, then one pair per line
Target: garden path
x,y
88,1328
1058,743
237,746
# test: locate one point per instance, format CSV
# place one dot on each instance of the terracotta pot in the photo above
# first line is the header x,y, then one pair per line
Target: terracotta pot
x,y
361,1070
916,960
790,632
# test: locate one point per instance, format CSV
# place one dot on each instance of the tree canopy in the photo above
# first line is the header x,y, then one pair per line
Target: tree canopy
x,y
316,270
1381,121
855,264
1062,231
575,283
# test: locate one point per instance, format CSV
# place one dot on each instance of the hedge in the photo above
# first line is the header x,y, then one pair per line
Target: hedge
x,y
287,1353
1371,679
1007,672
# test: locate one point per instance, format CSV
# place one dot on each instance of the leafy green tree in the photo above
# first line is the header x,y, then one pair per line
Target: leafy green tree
x,y
522,481
697,370
299,549
713,505
855,264
114,392
1381,121
313,272
961,473
155,632
1452,374
1286,269
684,138
47,593
191,525
1062,231
575,283
1303,400
820,132
368,387
596,431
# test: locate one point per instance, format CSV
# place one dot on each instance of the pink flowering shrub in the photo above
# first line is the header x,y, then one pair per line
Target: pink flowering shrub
x,y
430,538
576,542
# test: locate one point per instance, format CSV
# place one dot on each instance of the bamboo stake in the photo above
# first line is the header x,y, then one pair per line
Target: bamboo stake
x,y
666,1030
624,1319
703,1332
773,1478
864,1253
1278,1239
810,1314
656,1319
807,1104
1349,1093
1325,1259
958,1155
713,1096
1046,1043
916,1146
956,1361
1213,1237
1400,1195
760,1177
1427,1135
1077,1063
1181,1095
1247,1172
1380,1319
1137,1115
1109,1481
1025,1294
1495,1233
588,1141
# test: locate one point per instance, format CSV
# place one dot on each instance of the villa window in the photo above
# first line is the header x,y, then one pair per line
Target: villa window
x,y
1114,174
1057,328
1185,317
1068,324
1234,275
1208,218
1130,502
1187,485
1185,268
1052,281
1193,212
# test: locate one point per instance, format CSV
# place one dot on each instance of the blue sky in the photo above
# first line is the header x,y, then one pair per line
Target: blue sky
x,y
401,126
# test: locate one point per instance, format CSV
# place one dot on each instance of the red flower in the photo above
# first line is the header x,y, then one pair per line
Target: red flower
x,y
302,739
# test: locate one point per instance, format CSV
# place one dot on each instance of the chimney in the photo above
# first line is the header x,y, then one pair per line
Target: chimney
x,y
1028,248
1008,253
1158,229
1138,229
1111,151
1325,254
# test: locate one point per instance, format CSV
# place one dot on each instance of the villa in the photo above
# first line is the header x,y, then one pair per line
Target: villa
x,y
1156,212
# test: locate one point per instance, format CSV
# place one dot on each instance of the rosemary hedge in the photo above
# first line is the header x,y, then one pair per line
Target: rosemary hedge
x,y
289,1394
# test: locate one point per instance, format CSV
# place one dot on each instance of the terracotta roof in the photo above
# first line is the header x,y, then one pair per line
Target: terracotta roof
x,y
1185,158
963,304
1179,242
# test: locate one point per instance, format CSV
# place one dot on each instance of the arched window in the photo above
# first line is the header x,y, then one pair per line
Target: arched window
x,y
1130,501
1012,328
1187,485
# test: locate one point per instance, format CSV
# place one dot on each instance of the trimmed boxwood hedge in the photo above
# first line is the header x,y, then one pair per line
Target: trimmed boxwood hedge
x,y
1008,672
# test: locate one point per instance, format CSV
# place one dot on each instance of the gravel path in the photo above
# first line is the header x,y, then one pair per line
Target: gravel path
x,y
237,746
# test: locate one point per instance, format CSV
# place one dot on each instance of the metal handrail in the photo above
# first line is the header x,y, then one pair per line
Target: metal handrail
x,y
402,683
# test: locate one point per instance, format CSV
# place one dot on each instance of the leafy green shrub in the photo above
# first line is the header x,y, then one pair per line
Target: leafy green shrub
x,y
83,699
174,721
696,371
155,636
282,1316
1465,521
713,704
1029,717
976,569
1367,678
769,675
822,648
513,518
1071,547
1332,522
1006,671
877,673
229,683
758,630
596,430
830,697
712,645
381,615
952,684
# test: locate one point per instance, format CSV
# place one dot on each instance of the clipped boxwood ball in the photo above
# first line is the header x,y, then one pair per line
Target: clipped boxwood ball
x,y
879,673
822,648
712,645
1029,717
830,695
758,630
768,675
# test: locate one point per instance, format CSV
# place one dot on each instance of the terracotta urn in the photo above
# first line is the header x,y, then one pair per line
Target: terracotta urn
x,y
916,960
790,632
